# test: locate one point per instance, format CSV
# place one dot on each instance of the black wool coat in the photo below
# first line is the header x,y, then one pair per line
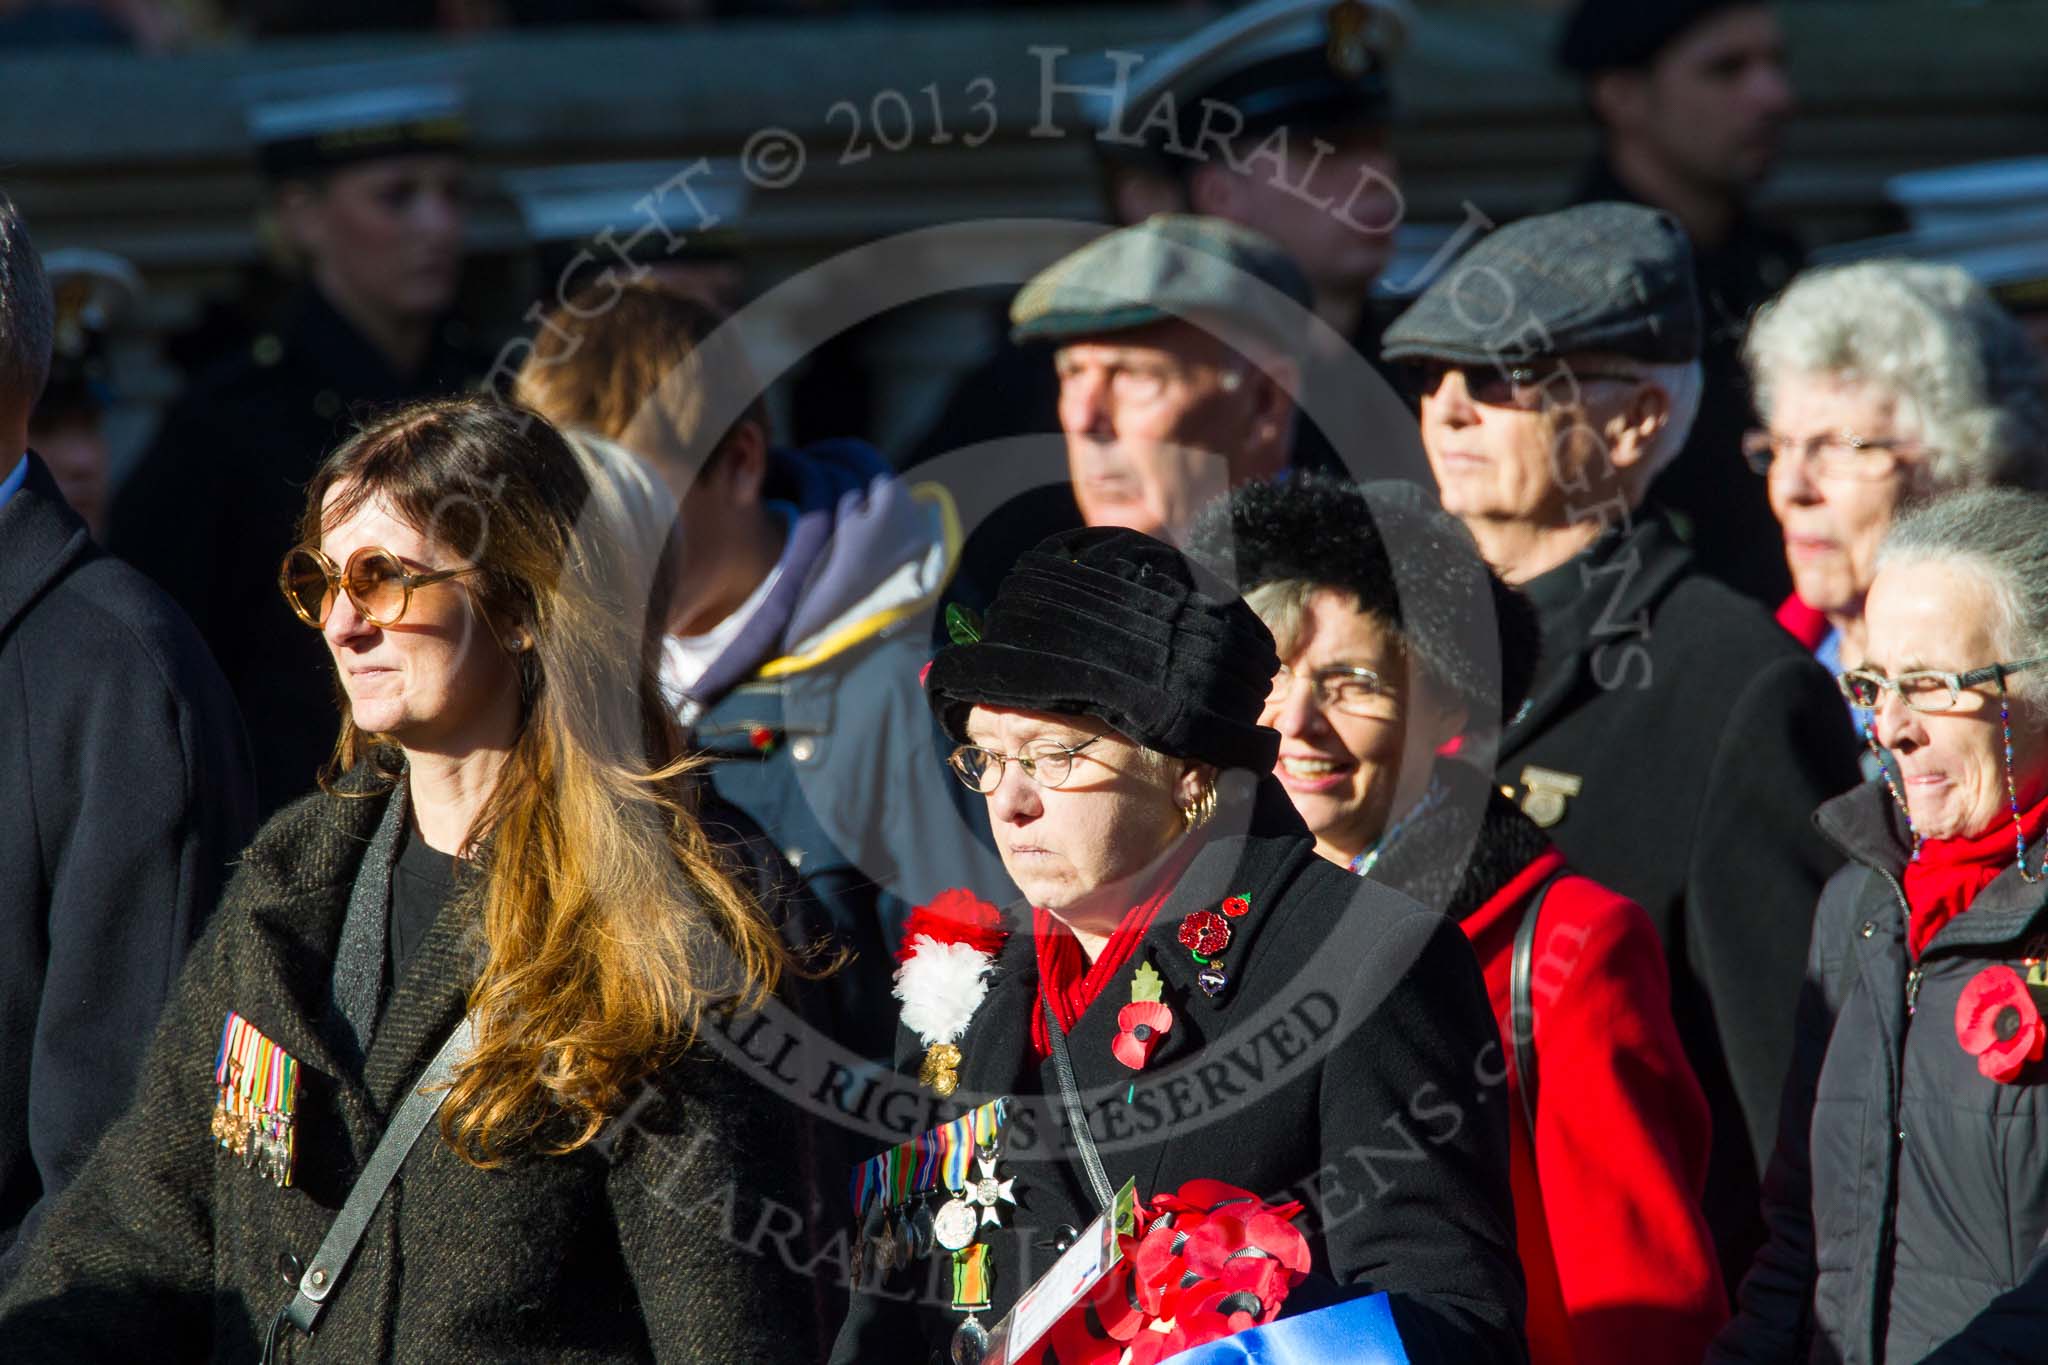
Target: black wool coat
x,y
1351,1062
1702,737
1908,1196
647,1246
125,789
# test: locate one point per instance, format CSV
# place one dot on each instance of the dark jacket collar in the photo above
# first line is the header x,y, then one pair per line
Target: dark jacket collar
x,y
1594,599
1459,855
294,886
41,540
1864,824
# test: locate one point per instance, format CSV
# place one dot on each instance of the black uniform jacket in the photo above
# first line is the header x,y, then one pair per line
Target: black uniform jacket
x,y
645,1246
1701,737
1351,1062
216,502
125,789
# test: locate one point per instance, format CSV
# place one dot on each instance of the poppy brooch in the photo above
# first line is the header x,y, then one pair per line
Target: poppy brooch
x,y
1998,1023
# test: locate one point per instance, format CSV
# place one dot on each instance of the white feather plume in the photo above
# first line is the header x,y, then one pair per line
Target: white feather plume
x,y
941,985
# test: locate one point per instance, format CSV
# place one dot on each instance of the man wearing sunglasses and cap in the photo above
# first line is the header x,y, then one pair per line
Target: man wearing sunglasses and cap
x,y
125,788
365,189
1675,740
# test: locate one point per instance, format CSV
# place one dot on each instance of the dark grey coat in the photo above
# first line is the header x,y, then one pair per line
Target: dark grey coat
x,y
654,1245
1908,1196
125,788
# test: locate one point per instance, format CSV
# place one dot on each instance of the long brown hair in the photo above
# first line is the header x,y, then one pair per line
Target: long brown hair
x,y
610,921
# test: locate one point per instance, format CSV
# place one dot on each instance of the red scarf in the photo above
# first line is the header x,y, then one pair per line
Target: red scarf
x,y
1065,975
1950,873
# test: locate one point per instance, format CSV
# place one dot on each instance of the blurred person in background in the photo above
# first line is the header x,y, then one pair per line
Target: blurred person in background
x,y
800,585
366,192
1178,347
1675,739
92,290
1692,98
1281,116
125,792
1402,656
1881,383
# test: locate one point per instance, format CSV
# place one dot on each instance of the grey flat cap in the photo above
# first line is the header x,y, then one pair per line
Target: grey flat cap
x,y
1166,268
1597,277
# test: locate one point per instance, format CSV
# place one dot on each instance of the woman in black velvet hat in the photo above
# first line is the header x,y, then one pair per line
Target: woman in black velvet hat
x,y
1221,1004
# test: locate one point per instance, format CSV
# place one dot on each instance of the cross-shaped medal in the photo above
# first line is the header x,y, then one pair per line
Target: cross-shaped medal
x,y
988,1190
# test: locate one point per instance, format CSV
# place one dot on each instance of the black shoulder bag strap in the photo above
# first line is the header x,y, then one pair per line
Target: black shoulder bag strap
x,y
338,1248
1077,1117
1522,1002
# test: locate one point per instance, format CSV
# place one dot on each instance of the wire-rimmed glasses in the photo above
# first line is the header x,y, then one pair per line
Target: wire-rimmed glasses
x,y
1833,454
981,770
1350,689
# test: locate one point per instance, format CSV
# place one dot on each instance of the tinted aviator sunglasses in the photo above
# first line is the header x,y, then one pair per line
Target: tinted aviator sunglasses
x,y
374,578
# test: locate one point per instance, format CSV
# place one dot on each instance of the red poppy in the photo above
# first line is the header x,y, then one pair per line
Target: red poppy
x,y
1998,1024
1237,905
956,916
762,738
1141,1026
1205,932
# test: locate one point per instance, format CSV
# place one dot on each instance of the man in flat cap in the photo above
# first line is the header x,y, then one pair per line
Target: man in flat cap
x,y
1174,350
1692,97
1675,740
1276,117
1177,346
365,180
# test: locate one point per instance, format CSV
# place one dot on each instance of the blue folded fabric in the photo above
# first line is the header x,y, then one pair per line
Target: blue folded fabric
x,y
1357,1332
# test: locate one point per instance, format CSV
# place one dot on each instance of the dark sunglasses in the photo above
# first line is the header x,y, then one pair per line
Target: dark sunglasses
x,y
375,580
1511,386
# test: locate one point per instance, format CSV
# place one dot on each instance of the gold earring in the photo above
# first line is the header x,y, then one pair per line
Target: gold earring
x,y
1198,811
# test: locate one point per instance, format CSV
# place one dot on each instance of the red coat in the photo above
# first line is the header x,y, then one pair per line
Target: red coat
x,y
1620,1265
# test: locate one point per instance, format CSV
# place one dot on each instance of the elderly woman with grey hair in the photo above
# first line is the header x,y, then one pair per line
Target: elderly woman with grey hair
x,y
1882,383
1908,1196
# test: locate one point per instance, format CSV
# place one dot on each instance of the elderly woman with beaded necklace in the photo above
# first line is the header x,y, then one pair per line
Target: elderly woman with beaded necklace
x,y
1908,1195
1398,642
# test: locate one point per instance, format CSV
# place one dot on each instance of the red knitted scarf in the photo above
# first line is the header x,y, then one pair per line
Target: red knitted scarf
x,y
1066,976
1951,872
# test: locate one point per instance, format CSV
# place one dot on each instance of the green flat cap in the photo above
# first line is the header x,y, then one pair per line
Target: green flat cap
x,y
1168,267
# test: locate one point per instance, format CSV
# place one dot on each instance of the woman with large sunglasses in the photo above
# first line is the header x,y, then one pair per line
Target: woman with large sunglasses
x,y
1402,656
1908,1196
1188,995
503,898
